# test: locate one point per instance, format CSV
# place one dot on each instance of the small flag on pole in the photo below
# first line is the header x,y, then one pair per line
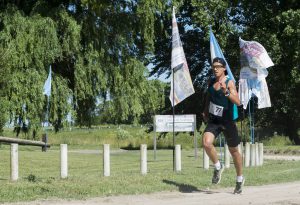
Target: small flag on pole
x,y
183,85
215,51
47,85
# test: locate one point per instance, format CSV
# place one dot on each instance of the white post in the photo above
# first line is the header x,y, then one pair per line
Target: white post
x,y
247,154
261,153
143,159
63,161
106,160
227,157
239,148
256,154
14,162
252,155
205,160
242,151
177,158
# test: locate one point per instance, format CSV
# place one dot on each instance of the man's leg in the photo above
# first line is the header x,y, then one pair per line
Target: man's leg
x,y
233,141
237,160
208,139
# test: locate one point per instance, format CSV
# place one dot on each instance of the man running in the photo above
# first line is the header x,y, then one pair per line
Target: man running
x,y
219,114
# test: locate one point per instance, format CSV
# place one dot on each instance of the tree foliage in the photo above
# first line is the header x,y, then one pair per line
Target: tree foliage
x,y
99,51
275,24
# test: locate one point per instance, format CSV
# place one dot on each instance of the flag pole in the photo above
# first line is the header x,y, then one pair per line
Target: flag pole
x,y
173,107
173,120
45,136
178,62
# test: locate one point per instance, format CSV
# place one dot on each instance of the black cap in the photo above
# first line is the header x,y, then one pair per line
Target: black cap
x,y
220,60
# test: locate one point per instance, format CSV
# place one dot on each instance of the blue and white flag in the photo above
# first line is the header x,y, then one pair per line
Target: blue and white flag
x,y
47,85
254,63
215,51
254,60
183,85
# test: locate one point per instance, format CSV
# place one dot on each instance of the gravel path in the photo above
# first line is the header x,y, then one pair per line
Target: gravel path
x,y
276,194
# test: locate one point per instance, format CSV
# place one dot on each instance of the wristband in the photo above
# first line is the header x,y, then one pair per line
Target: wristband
x,y
227,93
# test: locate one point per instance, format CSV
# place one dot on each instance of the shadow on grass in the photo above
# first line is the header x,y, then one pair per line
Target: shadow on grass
x,y
187,188
136,147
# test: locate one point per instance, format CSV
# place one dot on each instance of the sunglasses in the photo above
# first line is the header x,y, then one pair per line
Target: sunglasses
x,y
217,66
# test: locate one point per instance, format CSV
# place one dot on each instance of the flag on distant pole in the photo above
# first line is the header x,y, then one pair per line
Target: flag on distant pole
x,y
47,85
181,85
215,51
47,91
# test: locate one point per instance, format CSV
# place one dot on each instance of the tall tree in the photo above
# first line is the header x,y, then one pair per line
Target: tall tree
x,y
96,49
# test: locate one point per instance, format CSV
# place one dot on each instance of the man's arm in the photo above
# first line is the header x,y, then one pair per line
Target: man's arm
x,y
205,111
232,94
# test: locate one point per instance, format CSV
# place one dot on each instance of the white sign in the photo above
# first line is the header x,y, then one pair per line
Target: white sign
x,y
183,123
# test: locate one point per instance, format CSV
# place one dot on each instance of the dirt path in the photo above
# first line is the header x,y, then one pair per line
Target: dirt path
x,y
277,194
282,157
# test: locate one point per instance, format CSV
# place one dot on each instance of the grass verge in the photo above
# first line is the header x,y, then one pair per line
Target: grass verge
x,y
39,174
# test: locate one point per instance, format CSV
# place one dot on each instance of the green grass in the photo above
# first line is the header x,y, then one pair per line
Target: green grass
x,y
39,171
124,136
39,174
277,140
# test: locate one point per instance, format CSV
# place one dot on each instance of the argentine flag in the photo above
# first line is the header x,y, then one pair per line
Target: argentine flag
x,y
47,85
215,51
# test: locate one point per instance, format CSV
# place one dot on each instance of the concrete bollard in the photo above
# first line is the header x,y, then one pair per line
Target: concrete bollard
x,y
14,162
242,151
63,161
106,160
205,160
177,158
261,153
143,159
252,155
256,155
227,157
239,148
247,154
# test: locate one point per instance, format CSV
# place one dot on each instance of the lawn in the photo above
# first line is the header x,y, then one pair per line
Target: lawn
x,y
39,173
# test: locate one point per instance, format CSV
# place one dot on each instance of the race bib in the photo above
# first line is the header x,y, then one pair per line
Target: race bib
x,y
216,110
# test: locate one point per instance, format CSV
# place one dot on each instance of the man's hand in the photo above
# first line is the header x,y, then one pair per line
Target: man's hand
x,y
223,87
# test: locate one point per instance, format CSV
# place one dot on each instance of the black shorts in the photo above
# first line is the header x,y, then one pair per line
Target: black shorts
x,y
229,130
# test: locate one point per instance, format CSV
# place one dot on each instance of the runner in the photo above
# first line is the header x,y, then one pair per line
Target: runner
x,y
219,115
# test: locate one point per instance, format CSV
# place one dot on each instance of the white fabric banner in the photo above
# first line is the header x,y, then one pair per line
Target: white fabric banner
x,y
183,83
254,63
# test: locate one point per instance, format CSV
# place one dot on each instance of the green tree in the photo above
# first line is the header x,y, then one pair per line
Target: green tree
x,y
96,49
275,24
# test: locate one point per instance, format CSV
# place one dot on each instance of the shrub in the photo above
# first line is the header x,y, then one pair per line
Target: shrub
x,y
277,140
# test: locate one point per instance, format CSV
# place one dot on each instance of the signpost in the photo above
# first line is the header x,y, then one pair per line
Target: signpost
x,y
183,123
